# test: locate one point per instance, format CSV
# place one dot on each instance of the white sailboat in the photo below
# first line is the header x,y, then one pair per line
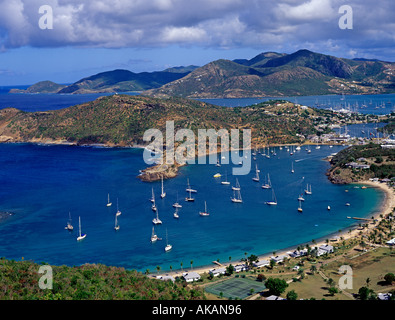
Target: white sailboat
x,y
176,204
153,207
267,184
156,220
300,198
118,212
300,206
189,189
80,235
154,237
226,182
205,212
168,246
69,226
256,178
236,199
116,227
237,187
175,215
292,170
108,201
163,193
308,189
274,199
189,198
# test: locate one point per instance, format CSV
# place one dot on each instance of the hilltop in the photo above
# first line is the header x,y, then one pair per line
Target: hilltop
x,y
41,87
360,163
121,120
278,74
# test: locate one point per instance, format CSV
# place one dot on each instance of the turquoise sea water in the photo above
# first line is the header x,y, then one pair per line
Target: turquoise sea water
x,y
42,184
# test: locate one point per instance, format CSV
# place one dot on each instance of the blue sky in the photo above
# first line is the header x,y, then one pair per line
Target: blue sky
x,y
148,35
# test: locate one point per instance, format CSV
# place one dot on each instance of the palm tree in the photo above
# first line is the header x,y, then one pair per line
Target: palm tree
x,y
158,268
171,268
191,264
313,269
181,266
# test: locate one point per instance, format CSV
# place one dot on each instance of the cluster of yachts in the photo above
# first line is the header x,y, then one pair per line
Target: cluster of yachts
x,y
81,236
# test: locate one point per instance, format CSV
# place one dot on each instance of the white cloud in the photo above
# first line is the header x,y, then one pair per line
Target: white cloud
x,y
219,24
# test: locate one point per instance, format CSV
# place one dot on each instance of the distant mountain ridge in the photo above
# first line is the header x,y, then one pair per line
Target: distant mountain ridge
x,y
112,81
278,74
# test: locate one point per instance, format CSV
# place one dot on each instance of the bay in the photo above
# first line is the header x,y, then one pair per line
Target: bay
x,y
42,184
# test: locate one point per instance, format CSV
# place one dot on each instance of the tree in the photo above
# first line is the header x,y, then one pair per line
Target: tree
x,y
365,293
292,295
313,269
230,269
272,264
191,264
276,286
332,291
251,259
389,278
261,277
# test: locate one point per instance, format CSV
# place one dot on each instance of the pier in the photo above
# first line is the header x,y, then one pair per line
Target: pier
x,y
365,219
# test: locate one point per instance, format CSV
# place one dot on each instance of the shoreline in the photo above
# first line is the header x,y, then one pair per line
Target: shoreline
x,y
384,208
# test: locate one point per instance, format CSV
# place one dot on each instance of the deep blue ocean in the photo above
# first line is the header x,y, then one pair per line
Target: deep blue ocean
x,y
41,184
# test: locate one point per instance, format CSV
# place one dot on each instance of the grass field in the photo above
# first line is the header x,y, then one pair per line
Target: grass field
x,y
236,288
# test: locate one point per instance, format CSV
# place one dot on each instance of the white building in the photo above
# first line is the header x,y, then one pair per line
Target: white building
x,y
262,263
217,272
240,267
191,276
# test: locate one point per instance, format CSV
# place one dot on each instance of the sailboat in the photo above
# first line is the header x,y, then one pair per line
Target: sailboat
x,y
80,235
154,237
108,201
238,198
153,207
237,187
256,178
168,246
267,184
163,194
292,170
118,212
176,204
189,189
156,220
300,206
69,226
308,189
226,180
274,200
189,199
300,198
116,227
175,215
204,213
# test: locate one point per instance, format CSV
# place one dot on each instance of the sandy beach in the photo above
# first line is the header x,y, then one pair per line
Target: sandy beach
x,y
386,207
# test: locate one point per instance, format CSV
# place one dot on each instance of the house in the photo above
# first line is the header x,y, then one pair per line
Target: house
x,y
298,253
191,276
165,278
296,268
217,272
240,267
273,297
326,248
384,296
355,165
262,263
391,242
279,258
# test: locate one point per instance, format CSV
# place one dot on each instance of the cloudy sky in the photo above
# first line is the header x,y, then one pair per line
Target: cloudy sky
x,y
91,36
